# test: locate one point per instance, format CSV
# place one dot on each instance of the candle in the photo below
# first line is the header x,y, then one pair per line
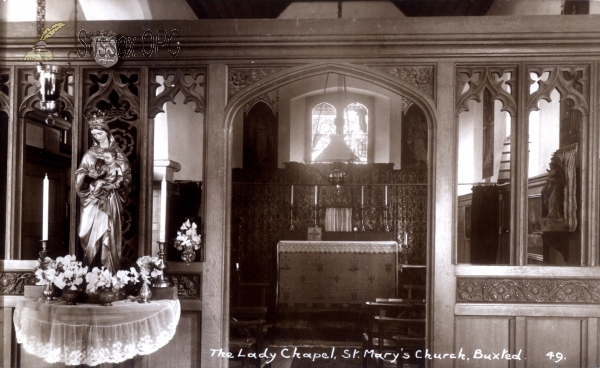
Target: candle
x,y
45,209
386,195
292,201
316,195
163,210
405,238
362,195
237,266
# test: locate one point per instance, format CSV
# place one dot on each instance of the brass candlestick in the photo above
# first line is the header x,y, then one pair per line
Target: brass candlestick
x,y
162,281
291,217
362,218
315,209
386,227
43,253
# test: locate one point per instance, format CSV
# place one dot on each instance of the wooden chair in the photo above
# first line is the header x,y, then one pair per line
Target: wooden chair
x,y
246,336
419,290
410,345
390,318
248,329
410,336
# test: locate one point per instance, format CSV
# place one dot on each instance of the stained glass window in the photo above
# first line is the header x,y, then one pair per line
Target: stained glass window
x,y
356,129
323,126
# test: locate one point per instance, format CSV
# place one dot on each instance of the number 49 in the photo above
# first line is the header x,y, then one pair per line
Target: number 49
x,y
551,355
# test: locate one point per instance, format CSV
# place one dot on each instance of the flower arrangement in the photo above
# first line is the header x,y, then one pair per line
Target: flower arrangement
x,y
99,280
149,268
188,240
69,273
46,272
126,280
187,236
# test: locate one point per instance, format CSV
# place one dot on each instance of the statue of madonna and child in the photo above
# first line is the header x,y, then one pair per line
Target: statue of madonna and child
x,y
103,179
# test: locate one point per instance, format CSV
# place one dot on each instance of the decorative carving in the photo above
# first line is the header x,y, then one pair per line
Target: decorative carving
x,y
242,77
4,90
571,82
419,76
116,92
500,81
188,286
112,90
13,283
521,290
337,247
190,82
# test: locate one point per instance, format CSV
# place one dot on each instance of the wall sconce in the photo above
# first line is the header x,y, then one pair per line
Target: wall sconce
x,y
51,78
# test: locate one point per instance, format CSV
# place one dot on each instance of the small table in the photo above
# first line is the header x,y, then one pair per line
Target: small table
x,y
92,334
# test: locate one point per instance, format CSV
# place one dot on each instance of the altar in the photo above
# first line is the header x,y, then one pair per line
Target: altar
x,y
325,273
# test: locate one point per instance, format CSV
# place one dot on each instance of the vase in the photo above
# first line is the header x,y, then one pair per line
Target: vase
x,y
145,293
70,296
107,297
188,255
48,292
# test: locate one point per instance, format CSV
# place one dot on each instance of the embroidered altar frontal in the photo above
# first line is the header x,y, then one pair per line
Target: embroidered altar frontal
x,y
326,273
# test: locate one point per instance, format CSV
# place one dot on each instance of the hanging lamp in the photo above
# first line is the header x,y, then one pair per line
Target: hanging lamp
x,y
51,77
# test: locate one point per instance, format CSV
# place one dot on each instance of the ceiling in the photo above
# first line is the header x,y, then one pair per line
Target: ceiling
x,y
269,9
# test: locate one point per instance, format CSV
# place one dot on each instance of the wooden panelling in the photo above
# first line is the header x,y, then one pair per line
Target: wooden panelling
x,y
567,336
7,339
474,338
183,351
2,339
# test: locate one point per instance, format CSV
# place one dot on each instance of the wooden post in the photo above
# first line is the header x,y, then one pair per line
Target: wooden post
x,y
216,196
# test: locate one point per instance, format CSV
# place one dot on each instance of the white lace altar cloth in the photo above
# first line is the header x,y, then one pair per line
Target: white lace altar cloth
x,y
92,334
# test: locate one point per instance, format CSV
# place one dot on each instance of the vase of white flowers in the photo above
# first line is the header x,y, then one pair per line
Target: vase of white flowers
x,y
148,272
127,281
101,281
188,240
69,276
45,274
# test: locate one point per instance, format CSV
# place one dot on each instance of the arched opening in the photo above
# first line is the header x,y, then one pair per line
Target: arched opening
x,y
284,196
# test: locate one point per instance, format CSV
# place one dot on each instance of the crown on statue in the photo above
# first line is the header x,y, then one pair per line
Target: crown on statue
x,y
97,120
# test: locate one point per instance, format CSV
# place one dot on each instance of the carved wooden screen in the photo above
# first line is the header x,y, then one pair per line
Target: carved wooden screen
x,y
53,156
485,112
546,161
558,107
165,86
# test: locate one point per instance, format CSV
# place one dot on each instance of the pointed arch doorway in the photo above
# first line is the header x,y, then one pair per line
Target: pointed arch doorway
x,y
378,79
